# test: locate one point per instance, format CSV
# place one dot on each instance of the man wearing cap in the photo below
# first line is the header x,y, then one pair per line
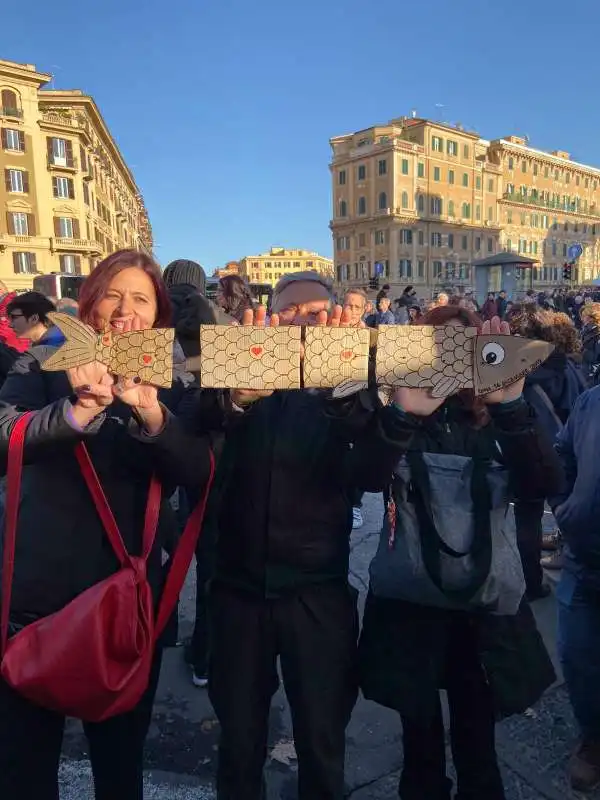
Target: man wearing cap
x,y
292,460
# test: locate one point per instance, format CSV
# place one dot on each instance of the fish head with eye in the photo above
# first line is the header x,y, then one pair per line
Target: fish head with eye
x,y
501,360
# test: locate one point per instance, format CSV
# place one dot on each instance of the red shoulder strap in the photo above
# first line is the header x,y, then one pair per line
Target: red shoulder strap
x,y
183,555
14,470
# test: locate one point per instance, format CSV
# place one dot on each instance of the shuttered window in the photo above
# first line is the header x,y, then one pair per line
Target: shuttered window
x,y
16,180
24,263
13,140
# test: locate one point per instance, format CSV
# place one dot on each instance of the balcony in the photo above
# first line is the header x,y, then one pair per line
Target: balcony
x,y
56,162
8,111
537,202
10,240
74,245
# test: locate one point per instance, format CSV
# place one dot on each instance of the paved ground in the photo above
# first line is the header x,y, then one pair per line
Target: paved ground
x,y
181,749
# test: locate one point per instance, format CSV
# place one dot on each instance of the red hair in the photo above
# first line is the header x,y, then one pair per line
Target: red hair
x,y
442,315
94,288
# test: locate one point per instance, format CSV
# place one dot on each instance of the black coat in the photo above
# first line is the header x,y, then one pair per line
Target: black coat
x,y
190,310
62,549
403,645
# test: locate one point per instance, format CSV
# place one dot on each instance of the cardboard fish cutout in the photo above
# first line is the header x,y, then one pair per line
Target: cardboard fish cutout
x,y
444,359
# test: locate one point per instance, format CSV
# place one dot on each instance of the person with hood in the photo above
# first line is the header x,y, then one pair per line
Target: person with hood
x,y
590,342
552,391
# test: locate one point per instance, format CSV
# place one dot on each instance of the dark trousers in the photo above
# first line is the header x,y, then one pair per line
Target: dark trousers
x,y
314,631
472,734
31,739
529,518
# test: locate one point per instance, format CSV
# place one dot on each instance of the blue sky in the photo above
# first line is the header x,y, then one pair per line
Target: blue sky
x,y
224,108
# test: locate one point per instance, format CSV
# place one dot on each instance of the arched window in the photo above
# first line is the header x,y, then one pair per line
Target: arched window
x,y
362,205
466,210
421,203
10,103
404,199
382,201
450,208
343,209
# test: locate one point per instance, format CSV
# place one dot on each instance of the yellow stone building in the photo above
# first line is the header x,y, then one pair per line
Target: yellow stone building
x,y
67,197
270,267
417,202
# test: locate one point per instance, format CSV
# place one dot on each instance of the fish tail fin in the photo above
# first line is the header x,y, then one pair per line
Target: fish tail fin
x,y
445,387
79,347
348,388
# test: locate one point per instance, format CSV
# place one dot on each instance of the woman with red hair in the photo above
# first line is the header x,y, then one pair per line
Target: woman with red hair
x,y
62,547
429,624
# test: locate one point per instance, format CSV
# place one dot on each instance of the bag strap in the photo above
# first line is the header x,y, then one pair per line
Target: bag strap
x,y
105,512
182,557
548,403
14,470
432,543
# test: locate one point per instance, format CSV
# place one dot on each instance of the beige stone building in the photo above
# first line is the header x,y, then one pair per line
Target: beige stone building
x,y
270,267
67,197
417,202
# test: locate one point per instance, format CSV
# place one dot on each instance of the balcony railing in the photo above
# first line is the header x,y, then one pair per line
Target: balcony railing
x,y
9,111
551,205
79,245
55,118
62,163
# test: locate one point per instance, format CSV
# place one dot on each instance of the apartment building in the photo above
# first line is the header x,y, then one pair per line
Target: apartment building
x,y
417,201
67,196
269,267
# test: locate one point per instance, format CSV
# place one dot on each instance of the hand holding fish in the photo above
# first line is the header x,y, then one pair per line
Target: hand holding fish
x,y
94,389
419,402
512,391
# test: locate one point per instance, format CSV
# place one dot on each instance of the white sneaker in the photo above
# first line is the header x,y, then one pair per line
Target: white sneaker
x,y
200,681
357,519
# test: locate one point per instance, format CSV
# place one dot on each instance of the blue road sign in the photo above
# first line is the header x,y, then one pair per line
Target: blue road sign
x,y
574,252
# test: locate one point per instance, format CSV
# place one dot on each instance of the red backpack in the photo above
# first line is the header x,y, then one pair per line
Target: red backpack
x,y
92,659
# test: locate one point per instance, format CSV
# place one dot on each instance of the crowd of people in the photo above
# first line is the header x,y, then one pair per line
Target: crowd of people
x,y
449,598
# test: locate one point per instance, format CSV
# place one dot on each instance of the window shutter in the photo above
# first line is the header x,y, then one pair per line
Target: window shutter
x,y
31,225
83,158
16,262
32,262
77,265
56,226
10,223
9,100
76,230
7,179
25,182
4,138
71,189
21,141
55,186
69,151
49,148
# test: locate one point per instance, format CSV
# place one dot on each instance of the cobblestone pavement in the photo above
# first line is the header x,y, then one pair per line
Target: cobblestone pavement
x,y
181,749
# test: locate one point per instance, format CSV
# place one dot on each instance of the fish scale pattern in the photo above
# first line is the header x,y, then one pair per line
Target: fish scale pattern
x,y
333,355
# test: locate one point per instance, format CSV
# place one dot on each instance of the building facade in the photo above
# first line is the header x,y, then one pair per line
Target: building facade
x,y
269,267
67,197
416,201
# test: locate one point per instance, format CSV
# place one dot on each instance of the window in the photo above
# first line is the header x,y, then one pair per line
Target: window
x,y
466,211
465,151
9,104
523,166
564,250
406,236
24,262
450,208
535,169
343,243
451,176
404,200
382,167
379,237
465,179
452,148
509,244
510,188
16,180
342,177
437,144
362,205
421,169
421,203
437,270
18,223
490,245
436,239
477,244
478,183
383,204
535,248
436,205
451,240
343,205
436,173
405,166
362,240
450,270
463,272
13,140
490,214
63,188
464,243
421,238
509,217
405,268
478,212
86,194
420,269
490,184
60,152
63,227
362,172
511,163
70,264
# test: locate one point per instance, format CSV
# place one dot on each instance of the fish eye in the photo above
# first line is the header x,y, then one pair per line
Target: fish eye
x,y
492,354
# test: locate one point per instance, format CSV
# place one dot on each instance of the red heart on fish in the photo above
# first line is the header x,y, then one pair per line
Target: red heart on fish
x,y
256,351
147,359
347,355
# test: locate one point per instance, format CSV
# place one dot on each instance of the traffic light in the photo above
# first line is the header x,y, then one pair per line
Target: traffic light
x,y
374,283
567,271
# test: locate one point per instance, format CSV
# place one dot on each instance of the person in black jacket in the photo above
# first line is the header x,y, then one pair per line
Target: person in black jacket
x,y
287,477
590,341
490,665
62,549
